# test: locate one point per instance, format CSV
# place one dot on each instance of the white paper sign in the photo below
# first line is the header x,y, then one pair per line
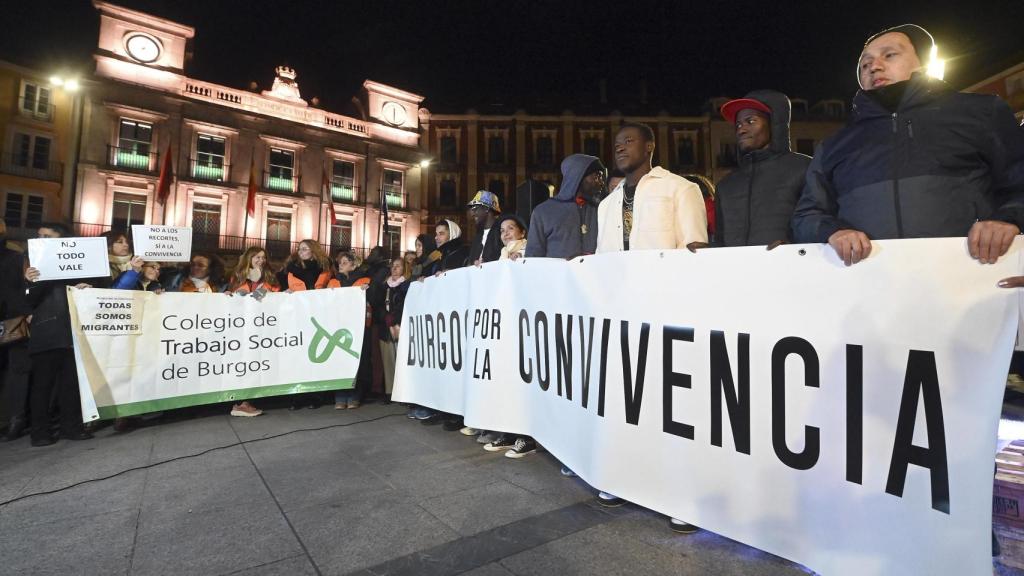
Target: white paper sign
x,y
113,312
163,243
842,417
61,258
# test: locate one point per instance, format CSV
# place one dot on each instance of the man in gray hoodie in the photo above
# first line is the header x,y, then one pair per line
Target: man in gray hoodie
x,y
565,226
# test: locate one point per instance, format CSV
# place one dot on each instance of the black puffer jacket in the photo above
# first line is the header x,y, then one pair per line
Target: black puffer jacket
x,y
12,283
754,204
940,162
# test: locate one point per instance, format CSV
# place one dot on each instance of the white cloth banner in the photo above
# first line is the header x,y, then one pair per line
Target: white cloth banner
x,y
162,243
140,352
62,258
841,417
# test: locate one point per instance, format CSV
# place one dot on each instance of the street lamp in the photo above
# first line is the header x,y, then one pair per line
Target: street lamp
x,y
425,163
72,87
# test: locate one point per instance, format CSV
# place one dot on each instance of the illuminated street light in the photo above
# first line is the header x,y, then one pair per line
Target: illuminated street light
x,y
56,81
425,162
71,85
936,65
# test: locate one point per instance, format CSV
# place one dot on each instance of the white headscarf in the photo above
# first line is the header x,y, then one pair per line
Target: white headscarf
x,y
453,230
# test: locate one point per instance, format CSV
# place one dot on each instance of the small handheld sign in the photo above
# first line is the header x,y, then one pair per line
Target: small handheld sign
x,y
62,258
163,243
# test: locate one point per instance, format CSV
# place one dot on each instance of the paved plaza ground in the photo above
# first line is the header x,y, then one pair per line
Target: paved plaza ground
x,y
383,495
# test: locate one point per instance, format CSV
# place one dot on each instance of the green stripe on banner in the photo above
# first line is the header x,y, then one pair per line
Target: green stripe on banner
x,y
147,406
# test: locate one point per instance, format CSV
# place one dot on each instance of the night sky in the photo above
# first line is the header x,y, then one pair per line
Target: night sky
x,y
543,56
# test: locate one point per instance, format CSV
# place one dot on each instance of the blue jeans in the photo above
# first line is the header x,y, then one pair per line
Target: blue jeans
x,y
345,396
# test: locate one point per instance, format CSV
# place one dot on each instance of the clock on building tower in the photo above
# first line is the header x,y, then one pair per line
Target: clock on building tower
x,y
143,48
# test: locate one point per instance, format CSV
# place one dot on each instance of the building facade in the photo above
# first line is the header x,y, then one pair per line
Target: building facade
x,y
497,152
141,108
1008,85
35,153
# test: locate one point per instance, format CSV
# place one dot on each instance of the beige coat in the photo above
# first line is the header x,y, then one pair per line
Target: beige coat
x,y
668,213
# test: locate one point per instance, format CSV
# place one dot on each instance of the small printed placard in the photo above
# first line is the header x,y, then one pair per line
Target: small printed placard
x,y
113,313
163,243
63,258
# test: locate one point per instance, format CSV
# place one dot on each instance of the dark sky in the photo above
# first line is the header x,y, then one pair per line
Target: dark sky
x,y
536,54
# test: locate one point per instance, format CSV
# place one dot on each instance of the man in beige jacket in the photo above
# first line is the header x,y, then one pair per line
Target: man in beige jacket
x,y
652,208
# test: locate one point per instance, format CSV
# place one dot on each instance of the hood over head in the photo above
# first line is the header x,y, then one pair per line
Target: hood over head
x,y
574,168
454,231
429,245
780,117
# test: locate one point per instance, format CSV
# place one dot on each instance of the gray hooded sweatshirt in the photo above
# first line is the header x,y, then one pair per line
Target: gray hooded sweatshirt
x,y
755,202
559,227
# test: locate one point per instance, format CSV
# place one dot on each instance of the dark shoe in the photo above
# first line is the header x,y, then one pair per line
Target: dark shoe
x,y
453,424
76,435
40,442
124,424
523,447
681,527
504,442
433,420
15,428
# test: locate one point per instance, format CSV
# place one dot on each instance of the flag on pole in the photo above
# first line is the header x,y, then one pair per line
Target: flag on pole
x,y
330,199
250,199
383,216
163,186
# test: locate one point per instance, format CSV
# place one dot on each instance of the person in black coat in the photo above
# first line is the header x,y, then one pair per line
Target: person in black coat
x,y
484,209
451,252
52,350
918,160
754,203
15,373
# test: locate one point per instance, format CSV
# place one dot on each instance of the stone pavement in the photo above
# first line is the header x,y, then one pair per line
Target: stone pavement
x,y
385,496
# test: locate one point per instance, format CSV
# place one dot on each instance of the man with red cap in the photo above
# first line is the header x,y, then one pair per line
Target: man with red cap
x,y
754,203
918,160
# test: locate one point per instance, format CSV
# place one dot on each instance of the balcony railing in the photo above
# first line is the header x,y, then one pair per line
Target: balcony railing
x,y
209,171
33,109
395,197
19,165
279,183
132,159
344,193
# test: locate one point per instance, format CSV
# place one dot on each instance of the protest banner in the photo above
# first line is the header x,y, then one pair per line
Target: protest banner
x,y
162,243
64,258
140,352
841,417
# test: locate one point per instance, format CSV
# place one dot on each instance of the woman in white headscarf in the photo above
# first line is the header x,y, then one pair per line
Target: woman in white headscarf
x,y
451,251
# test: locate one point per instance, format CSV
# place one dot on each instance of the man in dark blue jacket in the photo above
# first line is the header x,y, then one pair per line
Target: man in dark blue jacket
x,y
918,160
754,203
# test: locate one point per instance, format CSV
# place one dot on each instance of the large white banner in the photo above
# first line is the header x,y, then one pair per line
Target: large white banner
x,y
141,352
842,417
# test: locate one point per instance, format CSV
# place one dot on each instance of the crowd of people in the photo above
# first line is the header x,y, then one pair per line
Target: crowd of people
x,y
917,160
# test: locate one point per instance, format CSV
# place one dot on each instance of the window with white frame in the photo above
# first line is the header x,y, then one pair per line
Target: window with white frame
x,y
392,185
210,157
281,173
279,227
341,236
206,219
36,101
128,209
23,210
31,151
134,142
343,181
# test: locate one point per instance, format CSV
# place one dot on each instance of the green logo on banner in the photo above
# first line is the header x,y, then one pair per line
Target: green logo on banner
x,y
340,339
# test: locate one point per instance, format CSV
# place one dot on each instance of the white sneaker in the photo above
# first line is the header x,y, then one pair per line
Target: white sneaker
x,y
467,431
245,410
608,500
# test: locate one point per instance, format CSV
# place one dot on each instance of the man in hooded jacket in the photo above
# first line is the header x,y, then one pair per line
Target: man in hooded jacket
x,y
918,160
755,202
565,226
